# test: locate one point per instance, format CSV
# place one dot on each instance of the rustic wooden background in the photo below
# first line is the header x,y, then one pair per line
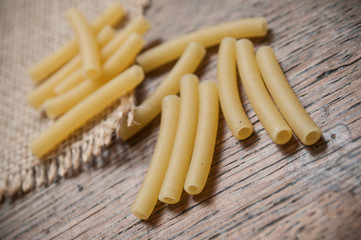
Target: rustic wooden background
x,y
256,189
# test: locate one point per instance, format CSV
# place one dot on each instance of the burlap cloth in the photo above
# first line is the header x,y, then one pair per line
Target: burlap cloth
x,y
29,30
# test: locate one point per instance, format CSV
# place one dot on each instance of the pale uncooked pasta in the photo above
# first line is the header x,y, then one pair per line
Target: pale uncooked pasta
x,y
147,196
58,58
92,105
292,110
46,89
257,94
87,44
229,98
139,25
111,16
203,150
173,182
69,82
151,106
171,50
117,63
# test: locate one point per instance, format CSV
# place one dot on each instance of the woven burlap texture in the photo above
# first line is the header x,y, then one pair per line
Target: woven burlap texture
x,y
30,30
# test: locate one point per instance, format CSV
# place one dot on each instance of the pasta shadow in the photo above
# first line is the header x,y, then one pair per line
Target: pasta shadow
x,y
290,147
246,143
268,39
182,206
157,214
152,44
318,148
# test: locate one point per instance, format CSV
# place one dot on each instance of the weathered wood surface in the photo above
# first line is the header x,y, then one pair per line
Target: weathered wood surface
x,y
256,189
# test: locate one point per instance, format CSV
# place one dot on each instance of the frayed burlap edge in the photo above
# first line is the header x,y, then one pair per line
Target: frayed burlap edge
x,y
81,146
73,153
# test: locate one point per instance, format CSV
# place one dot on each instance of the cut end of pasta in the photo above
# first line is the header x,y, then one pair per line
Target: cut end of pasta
x,y
35,74
244,41
245,132
282,136
262,50
49,110
140,215
264,26
312,137
168,199
192,189
229,39
33,100
197,46
138,71
36,150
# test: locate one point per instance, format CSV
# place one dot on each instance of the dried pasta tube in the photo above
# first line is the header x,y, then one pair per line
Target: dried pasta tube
x,y
205,138
46,89
289,105
147,196
231,105
69,82
82,112
256,91
58,58
111,16
117,63
173,182
151,106
87,43
210,36
139,25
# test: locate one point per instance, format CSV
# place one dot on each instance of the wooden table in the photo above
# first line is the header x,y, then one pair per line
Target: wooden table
x,y
256,189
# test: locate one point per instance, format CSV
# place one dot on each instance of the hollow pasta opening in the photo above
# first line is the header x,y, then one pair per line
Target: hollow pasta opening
x,y
168,200
244,132
283,136
312,137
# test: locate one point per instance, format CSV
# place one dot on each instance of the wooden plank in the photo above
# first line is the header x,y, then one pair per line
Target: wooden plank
x,y
256,189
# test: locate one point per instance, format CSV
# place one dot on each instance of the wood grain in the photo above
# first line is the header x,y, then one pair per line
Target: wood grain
x,y
256,189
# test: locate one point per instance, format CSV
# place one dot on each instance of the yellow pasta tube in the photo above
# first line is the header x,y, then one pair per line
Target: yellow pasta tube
x,y
117,63
55,60
231,105
69,82
256,91
205,138
139,25
111,16
46,89
151,106
82,112
173,182
105,36
171,50
290,107
147,196
87,44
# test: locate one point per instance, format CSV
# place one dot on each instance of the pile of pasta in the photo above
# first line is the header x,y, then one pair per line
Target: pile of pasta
x,y
86,74
89,81
184,150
